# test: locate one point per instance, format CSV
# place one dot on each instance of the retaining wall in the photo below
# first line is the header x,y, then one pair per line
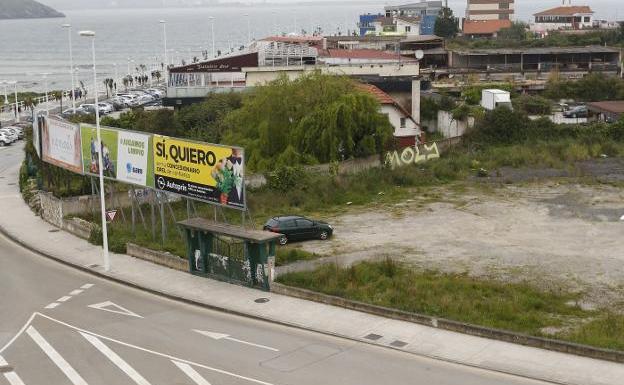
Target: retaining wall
x,y
158,257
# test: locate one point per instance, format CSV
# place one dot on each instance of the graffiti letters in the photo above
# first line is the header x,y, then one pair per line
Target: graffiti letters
x,y
412,155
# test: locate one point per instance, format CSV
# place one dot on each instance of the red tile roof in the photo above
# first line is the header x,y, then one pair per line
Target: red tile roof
x,y
614,106
485,27
382,97
565,11
359,54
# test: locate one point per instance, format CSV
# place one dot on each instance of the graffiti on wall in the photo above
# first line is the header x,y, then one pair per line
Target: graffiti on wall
x,y
412,155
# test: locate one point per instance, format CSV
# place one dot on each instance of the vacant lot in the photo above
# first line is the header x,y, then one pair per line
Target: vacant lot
x,y
564,235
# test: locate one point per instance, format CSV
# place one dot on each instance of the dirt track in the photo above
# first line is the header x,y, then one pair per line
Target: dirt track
x,y
557,235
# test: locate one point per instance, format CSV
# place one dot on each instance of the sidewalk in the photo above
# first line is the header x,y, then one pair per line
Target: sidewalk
x,y
422,340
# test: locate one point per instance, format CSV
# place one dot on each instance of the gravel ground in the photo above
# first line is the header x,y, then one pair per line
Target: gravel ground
x,y
566,236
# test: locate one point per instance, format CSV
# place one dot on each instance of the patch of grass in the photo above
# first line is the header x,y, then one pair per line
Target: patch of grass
x,y
518,307
286,255
606,331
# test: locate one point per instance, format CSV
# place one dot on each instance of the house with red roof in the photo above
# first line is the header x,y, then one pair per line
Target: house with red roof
x,y
564,17
407,131
484,28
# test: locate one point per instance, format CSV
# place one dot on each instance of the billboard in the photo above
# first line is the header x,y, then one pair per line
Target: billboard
x,y
127,155
60,144
202,171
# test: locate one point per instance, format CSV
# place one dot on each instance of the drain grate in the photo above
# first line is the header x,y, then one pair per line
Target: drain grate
x,y
93,266
261,300
398,344
373,337
54,231
11,184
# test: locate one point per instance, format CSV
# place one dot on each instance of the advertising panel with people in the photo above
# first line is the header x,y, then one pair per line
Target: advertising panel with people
x,y
203,171
60,144
91,148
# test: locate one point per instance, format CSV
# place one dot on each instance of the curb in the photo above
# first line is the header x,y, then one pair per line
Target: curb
x,y
193,302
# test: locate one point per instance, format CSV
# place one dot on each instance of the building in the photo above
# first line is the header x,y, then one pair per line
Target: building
x,y
366,23
427,11
607,111
406,130
564,17
484,28
490,10
397,26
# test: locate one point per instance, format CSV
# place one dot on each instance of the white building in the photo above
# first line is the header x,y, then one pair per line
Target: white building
x,y
397,26
564,17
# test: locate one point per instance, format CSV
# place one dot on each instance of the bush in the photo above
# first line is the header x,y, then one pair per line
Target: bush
x,y
286,178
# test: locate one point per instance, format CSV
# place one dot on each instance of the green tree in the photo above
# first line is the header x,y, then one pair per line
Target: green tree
x,y
517,32
446,25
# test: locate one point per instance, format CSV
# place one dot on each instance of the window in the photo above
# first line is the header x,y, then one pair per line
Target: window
x,y
587,18
302,223
408,28
403,122
503,5
288,224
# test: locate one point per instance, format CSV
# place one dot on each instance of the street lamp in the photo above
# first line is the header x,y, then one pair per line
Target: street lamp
x,y
164,24
91,34
116,74
6,96
212,19
17,114
71,66
248,28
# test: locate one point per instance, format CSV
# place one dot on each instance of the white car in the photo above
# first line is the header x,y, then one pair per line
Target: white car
x,y
147,98
156,92
4,141
10,136
17,131
106,108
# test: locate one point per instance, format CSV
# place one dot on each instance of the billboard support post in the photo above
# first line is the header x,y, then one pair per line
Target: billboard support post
x,y
91,35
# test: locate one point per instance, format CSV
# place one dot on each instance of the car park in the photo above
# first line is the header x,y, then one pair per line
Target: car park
x,y
19,132
68,113
297,228
106,108
144,99
156,92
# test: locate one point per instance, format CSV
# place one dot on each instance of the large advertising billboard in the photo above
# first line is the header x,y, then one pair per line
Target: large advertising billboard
x,y
127,155
202,171
60,144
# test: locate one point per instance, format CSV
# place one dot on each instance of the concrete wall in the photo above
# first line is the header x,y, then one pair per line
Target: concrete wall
x,y
157,257
450,127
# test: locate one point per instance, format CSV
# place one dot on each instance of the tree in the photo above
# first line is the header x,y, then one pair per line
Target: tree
x,y
517,32
58,95
446,25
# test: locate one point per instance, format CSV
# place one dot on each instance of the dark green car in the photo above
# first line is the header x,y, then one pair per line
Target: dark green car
x,y
295,228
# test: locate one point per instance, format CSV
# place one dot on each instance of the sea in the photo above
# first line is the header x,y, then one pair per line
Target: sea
x,y
131,37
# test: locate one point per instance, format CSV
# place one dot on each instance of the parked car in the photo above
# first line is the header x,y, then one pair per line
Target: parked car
x,y
106,108
118,103
146,98
10,136
576,112
68,113
157,93
296,228
17,131
4,141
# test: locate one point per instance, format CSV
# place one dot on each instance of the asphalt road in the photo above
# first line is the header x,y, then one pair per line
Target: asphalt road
x,y
59,325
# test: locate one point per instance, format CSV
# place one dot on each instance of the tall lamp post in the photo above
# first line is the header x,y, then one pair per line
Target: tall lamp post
x,y
6,96
45,85
17,114
164,24
212,19
91,35
71,66
248,29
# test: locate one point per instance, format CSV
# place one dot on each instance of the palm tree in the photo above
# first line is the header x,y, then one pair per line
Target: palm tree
x,y
126,82
157,75
30,103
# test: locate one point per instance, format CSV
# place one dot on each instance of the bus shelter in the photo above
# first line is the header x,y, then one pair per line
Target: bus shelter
x,y
230,253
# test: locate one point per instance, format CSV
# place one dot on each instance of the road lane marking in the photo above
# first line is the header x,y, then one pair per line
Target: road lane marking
x,y
13,378
52,305
114,357
87,286
20,332
164,355
219,336
58,360
192,373
63,299
68,297
75,292
120,309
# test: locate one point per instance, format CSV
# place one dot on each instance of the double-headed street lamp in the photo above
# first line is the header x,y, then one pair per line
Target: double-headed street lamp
x,y
91,34
212,20
45,85
71,66
164,24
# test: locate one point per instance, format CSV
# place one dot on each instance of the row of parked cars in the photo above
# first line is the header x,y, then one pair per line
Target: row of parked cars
x,y
10,135
121,100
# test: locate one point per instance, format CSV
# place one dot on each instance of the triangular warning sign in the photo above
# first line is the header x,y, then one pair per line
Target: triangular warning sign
x,y
114,308
110,215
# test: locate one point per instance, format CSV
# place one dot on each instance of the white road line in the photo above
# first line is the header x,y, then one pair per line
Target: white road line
x,y
87,286
164,355
76,292
58,360
19,333
3,362
63,299
192,373
13,378
114,357
52,305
